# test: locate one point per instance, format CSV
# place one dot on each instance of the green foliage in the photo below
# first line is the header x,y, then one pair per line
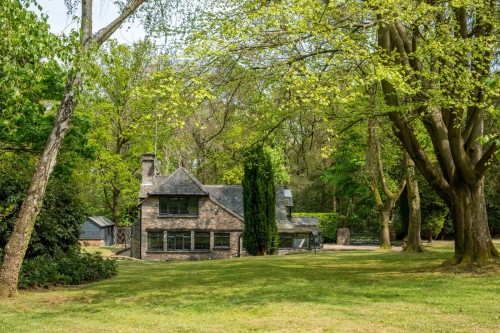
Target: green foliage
x,y
329,222
58,225
260,234
434,212
493,219
433,223
65,269
492,186
30,76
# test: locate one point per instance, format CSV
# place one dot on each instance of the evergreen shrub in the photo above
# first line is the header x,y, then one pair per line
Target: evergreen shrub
x,y
260,234
329,222
71,269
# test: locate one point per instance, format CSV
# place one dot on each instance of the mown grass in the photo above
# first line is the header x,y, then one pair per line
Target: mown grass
x,y
327,292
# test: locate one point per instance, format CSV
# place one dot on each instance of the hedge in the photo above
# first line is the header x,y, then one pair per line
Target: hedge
x,y
69,269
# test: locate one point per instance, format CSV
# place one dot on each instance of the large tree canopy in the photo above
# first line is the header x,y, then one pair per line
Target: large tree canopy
x,y
433,61
15,248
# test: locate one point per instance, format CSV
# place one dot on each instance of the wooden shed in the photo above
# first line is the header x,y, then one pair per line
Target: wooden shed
x,y
97,231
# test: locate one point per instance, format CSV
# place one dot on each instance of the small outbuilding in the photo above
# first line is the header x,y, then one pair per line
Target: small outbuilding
x,y
97,231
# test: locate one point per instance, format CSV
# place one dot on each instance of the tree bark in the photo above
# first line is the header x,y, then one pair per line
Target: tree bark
x,y
414,242
455,132
17,245
473,244
376,171
385,236
116,206
18,242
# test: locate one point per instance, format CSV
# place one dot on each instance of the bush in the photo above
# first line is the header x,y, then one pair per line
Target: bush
x,y
329,222
71,269
433,223
58,226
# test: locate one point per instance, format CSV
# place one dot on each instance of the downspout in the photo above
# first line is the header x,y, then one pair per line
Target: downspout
x,y
140,233
239,245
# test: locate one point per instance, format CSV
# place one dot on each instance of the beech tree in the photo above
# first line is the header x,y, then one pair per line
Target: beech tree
x,y
18,242
123,126
376,176
434,60
413,237
439,55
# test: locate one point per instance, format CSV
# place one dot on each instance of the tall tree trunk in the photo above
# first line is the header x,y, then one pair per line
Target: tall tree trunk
x,y
414,241
473,242
18,242
20,236
377,175
385,236
116,206
455,131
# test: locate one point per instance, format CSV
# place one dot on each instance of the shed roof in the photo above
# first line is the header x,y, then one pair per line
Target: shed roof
x,y
101,221
305,221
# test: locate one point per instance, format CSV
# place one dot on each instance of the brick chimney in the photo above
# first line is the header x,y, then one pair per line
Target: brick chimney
x,y
148,168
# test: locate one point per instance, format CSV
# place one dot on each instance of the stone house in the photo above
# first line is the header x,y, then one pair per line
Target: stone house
x,y
182,219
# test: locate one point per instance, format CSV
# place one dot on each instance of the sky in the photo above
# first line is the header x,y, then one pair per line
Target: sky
x,y
104,13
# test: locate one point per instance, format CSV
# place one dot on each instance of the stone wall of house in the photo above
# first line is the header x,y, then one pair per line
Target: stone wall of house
x,y
211,218
135,241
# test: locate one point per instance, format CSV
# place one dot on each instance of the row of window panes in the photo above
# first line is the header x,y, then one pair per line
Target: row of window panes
x,y
181,240
178,205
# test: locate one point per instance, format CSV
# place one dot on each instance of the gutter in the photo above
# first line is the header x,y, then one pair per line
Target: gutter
x,y
140,233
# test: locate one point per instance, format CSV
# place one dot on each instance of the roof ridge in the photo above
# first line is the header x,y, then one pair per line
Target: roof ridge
x,y
195,180
182,173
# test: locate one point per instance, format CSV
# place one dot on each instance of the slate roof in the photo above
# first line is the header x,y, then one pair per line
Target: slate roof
x,y
306,223
180,182
101,221
231,197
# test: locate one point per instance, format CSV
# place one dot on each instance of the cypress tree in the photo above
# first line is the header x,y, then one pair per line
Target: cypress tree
x,y
260,234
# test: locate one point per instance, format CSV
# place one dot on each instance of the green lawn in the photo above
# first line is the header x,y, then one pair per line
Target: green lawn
x,y
327,292
105,251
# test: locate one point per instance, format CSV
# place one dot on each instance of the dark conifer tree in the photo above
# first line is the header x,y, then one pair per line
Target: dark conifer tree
x,y
259,203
